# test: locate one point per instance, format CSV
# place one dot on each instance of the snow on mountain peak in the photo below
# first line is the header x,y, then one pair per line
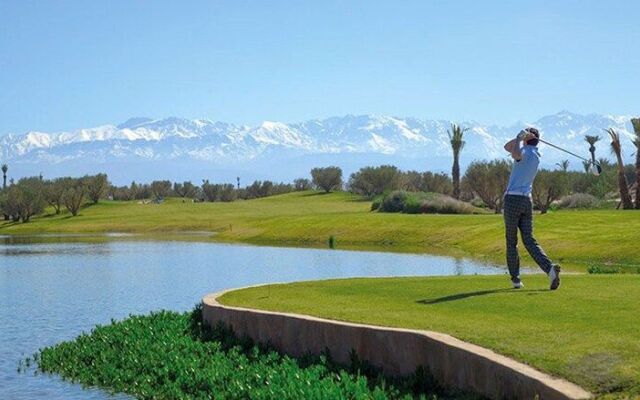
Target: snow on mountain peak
x,y
204,140
37,139
278,133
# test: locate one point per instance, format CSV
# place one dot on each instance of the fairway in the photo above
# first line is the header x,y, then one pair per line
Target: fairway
x,y
587,332
576,239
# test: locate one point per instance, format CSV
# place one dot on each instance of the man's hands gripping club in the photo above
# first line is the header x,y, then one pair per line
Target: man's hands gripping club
x,y
513,146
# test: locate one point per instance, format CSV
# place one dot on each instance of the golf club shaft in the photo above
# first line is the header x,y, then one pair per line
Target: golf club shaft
x,y
566,151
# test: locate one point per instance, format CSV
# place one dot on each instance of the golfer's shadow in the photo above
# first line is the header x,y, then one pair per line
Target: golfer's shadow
x,y
462,296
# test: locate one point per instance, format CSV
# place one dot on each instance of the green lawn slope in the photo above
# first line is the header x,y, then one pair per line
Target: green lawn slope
x,y
576,238
587,332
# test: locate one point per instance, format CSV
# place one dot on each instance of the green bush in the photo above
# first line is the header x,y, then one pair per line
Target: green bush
x,y
377,202
601,269
423,203
173,356
606,269
373,181
394,201
414,203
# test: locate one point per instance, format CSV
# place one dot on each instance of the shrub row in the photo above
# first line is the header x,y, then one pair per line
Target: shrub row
x,y
578,200
421,203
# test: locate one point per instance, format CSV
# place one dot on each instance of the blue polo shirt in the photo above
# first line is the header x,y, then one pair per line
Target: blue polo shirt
x,y
524,171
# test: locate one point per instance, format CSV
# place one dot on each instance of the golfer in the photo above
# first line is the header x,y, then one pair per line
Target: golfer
x,y
518,208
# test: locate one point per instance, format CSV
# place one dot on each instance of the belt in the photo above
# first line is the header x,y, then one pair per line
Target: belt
x,y
513,193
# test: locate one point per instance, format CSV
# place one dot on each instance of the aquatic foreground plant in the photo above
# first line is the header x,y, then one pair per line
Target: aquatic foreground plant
x,y
173,356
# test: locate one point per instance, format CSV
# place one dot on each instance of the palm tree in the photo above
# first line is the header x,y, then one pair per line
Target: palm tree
x,y
592,140
636,128
605,163
622,180
564,165
455,137
586,165
5,168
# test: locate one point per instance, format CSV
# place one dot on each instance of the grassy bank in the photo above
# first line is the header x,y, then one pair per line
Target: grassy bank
x,y
586,332
166,355
577,238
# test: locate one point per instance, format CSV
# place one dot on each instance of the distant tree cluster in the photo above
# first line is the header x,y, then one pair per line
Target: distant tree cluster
x,y
206,191
484,182
30,196
327,179
374,181
487,180
260,189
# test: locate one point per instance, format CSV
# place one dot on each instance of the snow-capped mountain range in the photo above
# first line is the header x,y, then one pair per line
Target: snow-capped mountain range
x,y
177,148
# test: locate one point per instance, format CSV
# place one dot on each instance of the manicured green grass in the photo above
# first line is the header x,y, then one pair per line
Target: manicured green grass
x,y
587,332
575,238
166,355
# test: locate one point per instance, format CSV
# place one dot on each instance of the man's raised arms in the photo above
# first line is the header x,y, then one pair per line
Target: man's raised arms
x,y
513,146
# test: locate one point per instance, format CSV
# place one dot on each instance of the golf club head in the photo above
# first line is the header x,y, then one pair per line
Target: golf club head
x,y
595,169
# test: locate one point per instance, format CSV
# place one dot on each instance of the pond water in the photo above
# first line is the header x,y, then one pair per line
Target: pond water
x,y
52,291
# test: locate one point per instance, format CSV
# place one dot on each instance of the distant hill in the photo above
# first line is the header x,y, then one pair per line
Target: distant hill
x,y
177,148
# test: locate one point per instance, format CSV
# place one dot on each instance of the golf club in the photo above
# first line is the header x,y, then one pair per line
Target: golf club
x,y
594,167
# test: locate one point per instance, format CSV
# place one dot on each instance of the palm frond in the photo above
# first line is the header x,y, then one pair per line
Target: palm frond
x,y
456,137
564,165
592,139
636,128
615,140
586,165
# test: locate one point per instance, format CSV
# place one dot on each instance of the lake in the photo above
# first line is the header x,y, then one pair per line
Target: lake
x,y
51,291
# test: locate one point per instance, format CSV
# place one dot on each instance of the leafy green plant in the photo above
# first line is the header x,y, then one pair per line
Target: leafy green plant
x,y
394,201
601,269
413,204
171,355
377,202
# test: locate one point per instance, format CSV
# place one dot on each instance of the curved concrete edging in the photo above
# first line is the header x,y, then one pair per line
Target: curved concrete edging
x,y
398,352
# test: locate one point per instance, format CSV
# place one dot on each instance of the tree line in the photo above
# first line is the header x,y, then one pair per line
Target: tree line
x,y
30,196
483,183
206,191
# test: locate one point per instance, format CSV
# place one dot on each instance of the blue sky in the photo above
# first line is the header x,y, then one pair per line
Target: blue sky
x,y
72,64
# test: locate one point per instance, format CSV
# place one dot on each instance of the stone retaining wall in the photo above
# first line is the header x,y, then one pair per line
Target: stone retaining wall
x,y
397,351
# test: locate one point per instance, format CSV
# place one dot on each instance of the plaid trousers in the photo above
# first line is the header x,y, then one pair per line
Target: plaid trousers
x,y
518,214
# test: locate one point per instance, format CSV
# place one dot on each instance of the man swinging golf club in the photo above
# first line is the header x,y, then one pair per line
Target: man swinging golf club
x,y
518,208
